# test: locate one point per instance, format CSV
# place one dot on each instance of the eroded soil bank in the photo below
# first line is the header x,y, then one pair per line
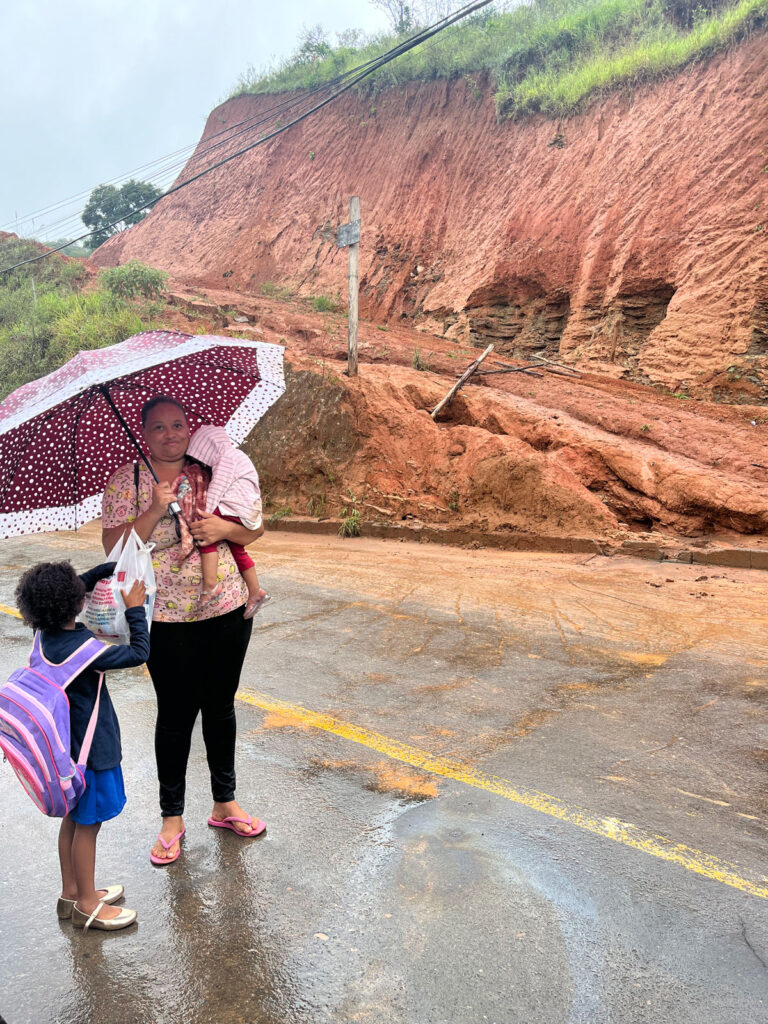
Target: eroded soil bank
x,y
547,457
630,238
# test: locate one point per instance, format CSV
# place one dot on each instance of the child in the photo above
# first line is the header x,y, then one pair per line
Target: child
x,y
233,494
49,596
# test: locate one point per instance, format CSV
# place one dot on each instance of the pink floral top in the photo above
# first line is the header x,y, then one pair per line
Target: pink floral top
x,y
178,583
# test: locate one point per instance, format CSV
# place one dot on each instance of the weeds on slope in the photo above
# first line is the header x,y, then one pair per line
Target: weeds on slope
x,y
542,56
46,316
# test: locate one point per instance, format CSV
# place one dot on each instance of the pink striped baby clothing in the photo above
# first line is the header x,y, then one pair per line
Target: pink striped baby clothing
x,y
234,487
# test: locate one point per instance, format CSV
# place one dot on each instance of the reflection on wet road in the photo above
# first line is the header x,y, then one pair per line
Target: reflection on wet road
x,y
397,700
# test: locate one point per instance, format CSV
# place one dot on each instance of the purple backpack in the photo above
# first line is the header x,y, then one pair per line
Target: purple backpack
x,y
34,727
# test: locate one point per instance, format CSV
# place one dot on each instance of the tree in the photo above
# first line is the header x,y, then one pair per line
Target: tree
x,y
110,209
407,16
399,13
313,45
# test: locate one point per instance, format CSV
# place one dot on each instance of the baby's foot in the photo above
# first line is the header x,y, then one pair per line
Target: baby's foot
x,y
255,603
207,595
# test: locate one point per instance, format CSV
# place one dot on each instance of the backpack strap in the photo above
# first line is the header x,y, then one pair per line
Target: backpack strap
x,y
71,667
85,749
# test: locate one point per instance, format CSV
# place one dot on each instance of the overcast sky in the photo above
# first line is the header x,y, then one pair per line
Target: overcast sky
x,y
90,89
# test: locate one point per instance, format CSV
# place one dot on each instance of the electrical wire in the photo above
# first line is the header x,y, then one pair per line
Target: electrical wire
x,y
250,122
346,81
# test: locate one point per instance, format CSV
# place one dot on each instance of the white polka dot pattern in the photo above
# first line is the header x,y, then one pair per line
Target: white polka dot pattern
x,y
60,441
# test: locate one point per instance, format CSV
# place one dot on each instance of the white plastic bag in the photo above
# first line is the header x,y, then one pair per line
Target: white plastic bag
x,y
104,611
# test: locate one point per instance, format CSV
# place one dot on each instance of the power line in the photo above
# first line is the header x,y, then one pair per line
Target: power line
x,y
250,122
353,77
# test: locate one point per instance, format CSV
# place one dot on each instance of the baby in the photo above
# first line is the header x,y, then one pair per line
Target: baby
x,y
233,494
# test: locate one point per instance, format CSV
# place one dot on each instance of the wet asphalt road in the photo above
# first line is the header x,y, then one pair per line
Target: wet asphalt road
x,y
382,893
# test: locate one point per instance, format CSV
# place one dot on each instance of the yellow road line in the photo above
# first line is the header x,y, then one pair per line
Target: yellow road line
x,y
609,828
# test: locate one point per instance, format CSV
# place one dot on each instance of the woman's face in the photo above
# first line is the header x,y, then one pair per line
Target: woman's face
x,y
166,433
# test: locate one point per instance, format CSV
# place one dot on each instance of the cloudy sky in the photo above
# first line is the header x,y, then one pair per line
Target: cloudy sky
x,y
91,89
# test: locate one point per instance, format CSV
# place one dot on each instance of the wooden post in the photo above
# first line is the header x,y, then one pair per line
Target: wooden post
x,y
354,217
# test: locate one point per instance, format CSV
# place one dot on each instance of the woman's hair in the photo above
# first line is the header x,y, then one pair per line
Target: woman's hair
x,y
147,408
49,595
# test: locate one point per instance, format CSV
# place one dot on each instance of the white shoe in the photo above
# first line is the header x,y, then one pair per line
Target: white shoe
x,y
114,893
81,920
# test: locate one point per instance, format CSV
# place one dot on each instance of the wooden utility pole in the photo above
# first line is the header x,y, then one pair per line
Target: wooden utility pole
x,y
349,235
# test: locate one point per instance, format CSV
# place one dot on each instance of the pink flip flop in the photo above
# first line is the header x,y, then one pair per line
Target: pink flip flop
x,y
259,827
162,861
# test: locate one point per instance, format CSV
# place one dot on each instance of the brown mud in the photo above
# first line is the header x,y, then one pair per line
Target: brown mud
x,y
548,457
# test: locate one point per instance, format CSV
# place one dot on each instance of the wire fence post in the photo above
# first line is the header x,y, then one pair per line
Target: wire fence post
x,y
354,218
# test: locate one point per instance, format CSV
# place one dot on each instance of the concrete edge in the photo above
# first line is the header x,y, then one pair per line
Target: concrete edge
x,y
732,558
458,538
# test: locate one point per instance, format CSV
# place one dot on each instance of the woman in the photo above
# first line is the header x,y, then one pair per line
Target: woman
x,y
196,653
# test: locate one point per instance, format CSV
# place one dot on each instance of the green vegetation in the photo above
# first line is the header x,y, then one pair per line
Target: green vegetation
x,y
351,518
110,209
326,303
418,362
46,317
276,292
77,250
548,55
135,280
280,513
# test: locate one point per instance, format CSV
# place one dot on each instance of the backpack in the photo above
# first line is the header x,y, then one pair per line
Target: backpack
x,y
34,727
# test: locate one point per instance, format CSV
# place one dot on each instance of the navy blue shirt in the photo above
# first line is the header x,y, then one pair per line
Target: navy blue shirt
x,y
57,646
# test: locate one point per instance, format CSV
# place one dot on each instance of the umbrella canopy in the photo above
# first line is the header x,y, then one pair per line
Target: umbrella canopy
x,y
60,438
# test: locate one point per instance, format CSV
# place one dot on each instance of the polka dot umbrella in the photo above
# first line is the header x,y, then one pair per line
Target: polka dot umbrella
x,y
63,435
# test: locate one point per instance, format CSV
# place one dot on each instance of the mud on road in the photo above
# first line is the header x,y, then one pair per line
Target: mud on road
x,y
431,735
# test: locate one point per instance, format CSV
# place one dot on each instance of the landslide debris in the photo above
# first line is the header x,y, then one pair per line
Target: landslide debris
x,y
548,457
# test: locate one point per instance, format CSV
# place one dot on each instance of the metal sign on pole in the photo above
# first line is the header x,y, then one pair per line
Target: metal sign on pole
x,y
349,236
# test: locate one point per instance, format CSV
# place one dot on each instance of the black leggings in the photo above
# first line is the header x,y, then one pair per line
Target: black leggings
x,y
195,666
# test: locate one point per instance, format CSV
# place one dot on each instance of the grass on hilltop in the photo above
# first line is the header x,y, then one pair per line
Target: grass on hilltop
x,y
542,56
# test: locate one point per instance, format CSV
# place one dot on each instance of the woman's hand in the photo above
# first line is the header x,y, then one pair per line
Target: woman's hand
x,y
162,496
136,596
209,529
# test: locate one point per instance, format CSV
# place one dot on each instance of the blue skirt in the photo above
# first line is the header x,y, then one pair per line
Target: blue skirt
x,y
104,797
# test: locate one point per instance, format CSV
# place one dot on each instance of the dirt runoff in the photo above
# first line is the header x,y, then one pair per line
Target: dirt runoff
x,y
540,457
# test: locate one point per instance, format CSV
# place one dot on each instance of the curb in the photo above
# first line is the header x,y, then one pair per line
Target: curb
x,y
457,538
732,558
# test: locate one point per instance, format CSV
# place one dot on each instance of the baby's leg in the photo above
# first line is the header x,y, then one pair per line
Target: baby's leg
x,y
256,596
251,580
209,567
209,561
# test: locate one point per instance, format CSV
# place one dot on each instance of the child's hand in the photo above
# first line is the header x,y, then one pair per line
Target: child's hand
x,y
135,597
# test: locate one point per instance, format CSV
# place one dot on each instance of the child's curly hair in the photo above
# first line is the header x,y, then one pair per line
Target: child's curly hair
x,y
49,595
